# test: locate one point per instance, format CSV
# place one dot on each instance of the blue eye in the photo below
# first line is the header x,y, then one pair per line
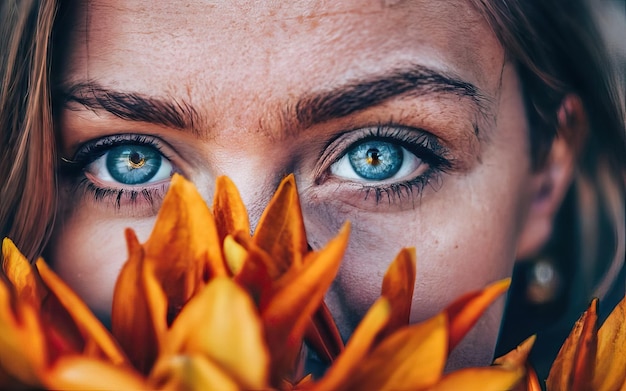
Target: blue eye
x,y
131,165
375,160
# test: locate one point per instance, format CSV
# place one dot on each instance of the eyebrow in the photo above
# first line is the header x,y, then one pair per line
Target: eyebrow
x,y
312,108
360,95
130,106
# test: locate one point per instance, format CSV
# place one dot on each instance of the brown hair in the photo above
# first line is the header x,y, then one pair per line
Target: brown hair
x,y
27,141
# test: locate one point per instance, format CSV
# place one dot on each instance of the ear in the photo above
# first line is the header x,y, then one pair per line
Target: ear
x,y
551,182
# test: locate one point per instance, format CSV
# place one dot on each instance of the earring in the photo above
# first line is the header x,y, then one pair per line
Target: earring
x,y
543,282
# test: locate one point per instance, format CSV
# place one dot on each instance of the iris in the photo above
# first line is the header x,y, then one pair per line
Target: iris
x,y
133,164
376,160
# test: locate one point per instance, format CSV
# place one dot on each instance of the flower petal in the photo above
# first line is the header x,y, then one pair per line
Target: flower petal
x,y
358,347
480,379
586,353
230,213
517,357
610,367
255,278
280,231
398,286
573,367
61,334
253,250
532,381
234,254
465,311
184,245
291,308
323,336
22,347
303,384
221,323
20,273
83,373
411,358
193,372
138,317
98,342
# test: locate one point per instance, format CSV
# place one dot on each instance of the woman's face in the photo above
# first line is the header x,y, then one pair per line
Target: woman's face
x,y
400,116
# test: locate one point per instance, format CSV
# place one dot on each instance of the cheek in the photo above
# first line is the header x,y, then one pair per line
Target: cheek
x,y
460,244
465,235
453,257
88,253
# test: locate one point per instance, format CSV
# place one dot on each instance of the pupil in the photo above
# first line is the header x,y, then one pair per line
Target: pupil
x,y
373,157
136,159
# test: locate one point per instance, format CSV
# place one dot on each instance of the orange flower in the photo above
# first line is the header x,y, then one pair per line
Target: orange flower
x,y
386,353
43,324
205,305
592,359
182,315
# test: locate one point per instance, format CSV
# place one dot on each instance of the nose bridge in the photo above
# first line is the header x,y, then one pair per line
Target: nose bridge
x,y
250,156
256,187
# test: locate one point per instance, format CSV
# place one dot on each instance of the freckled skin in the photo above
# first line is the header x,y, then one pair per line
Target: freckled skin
x,y
237,63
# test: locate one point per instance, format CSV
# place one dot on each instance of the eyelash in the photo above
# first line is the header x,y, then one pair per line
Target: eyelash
x,y
91,151
422,144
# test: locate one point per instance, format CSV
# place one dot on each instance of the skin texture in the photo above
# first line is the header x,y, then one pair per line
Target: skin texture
x,y
242,66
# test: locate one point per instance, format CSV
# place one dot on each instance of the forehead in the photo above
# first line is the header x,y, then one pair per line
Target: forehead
x,y
204,50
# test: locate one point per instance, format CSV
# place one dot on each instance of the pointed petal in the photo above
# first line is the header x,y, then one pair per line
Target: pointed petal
x,y
254,277
194,372
184,245
532,381
82,373
22,348
610,370
358,347
517,357
138,317
466,310
235,255
560,376
398,285
290,309
259,255
21,275
280,231
573,365
221,323
586,353
412,358
230,213
98,341
480,379
323,336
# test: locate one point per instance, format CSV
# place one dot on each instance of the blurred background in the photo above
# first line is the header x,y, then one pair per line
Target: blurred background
x,y
540,296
